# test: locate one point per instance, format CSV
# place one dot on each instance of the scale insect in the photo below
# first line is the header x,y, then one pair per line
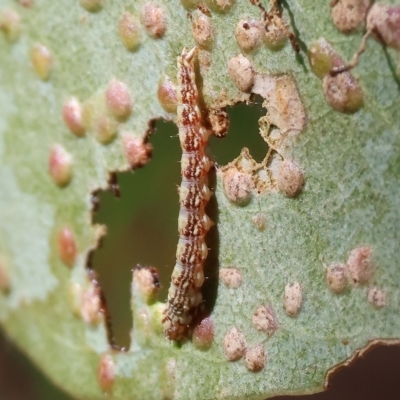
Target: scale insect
x,y
184,294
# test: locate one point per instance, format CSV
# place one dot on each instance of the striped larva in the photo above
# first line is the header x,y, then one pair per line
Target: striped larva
x,y
184,294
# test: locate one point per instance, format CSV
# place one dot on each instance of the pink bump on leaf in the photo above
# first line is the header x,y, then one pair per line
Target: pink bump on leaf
x,y
385,20
137,151
106,373
154,20
60,165
129,31
166,94
361,265
203,333
66,246
118,99
72,115
42,61
10,24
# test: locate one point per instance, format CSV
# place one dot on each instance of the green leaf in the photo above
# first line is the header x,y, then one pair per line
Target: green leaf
x,y
348,207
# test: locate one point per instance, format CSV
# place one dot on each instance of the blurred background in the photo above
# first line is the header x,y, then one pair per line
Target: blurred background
x,y
142,229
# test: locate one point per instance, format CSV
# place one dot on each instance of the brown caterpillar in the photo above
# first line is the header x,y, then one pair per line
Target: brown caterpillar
x,y
184,294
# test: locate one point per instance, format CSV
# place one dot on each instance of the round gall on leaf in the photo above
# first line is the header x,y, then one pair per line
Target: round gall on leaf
x,y
361,265
129,30
60,165
118,99
91,5
221,6
349,15
166,94
234,345
238,186
323,57
231,277
241,72
293,298
106,373
153,19
10,24
276,37
67,249
90,307
202,30
42,61
105,129
248,34
290,178
137,151
343,93
72,115
146,279
203,333
255,358
385,20
264,319
337,277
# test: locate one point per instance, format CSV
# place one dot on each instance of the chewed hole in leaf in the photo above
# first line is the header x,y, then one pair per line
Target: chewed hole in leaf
x,y
243,132
141,227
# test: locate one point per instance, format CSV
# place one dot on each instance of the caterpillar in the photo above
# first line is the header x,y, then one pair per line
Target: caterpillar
x,y
184,294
